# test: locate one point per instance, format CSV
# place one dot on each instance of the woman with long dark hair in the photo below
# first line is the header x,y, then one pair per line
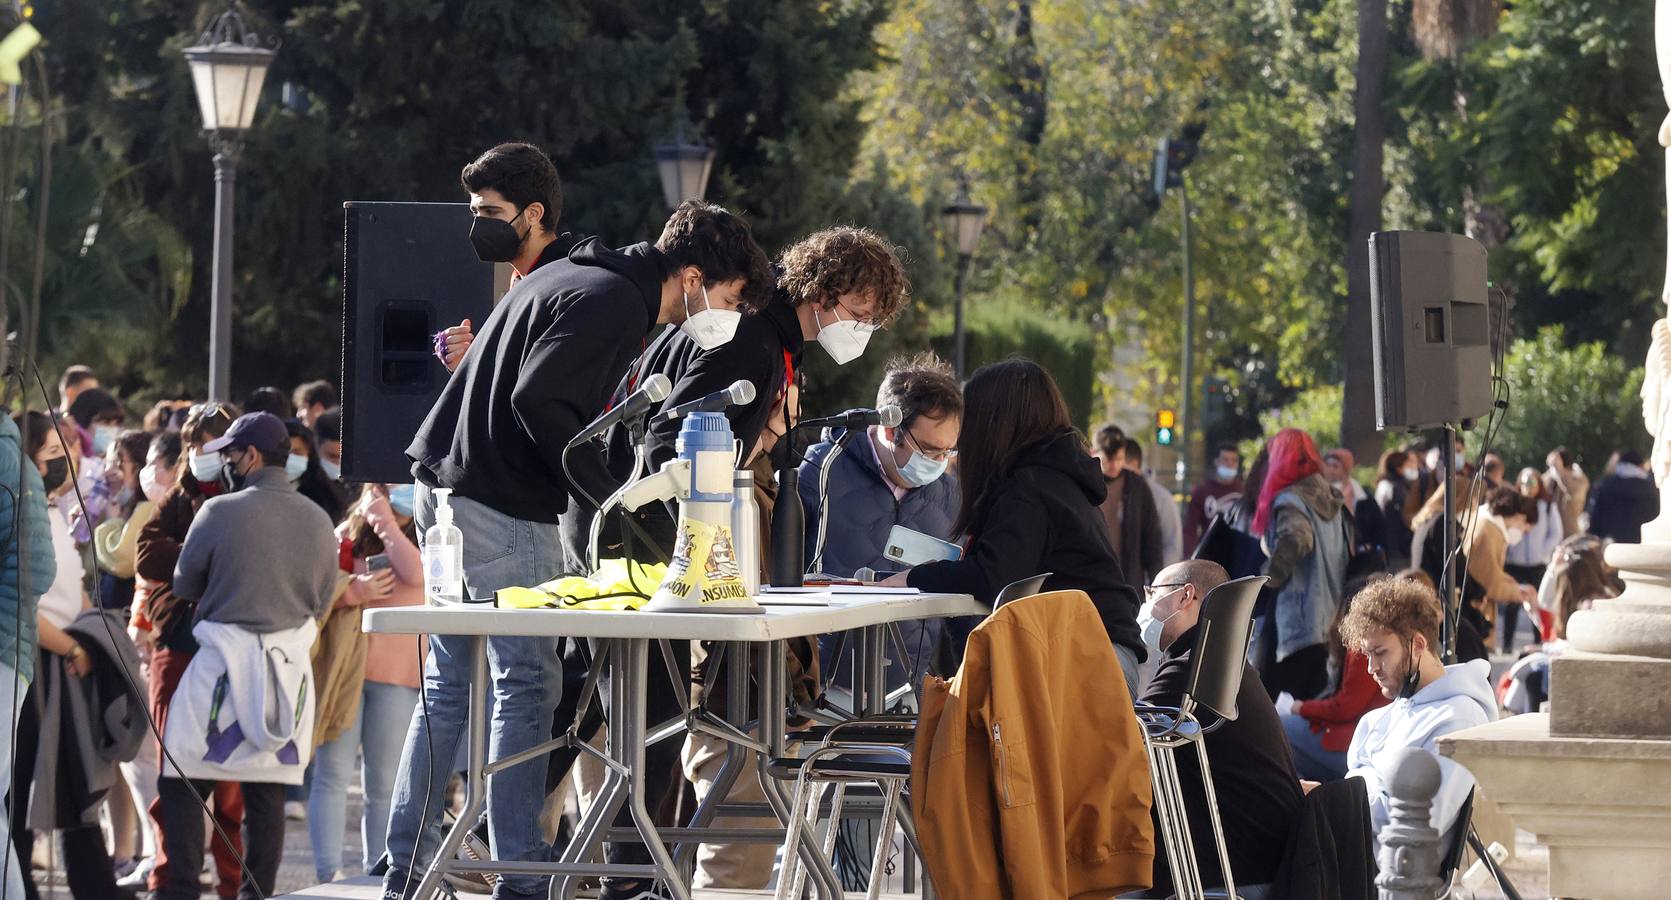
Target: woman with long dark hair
x,y
1031,493
1395,490
307,472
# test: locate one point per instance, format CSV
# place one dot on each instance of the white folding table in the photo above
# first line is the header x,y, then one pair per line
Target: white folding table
x,y
625,639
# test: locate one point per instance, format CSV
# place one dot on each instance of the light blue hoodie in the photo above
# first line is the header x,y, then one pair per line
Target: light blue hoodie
x,y
1461,698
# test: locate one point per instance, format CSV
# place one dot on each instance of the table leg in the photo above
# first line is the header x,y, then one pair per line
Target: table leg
x,y
874,663
475,783
587,842
627,719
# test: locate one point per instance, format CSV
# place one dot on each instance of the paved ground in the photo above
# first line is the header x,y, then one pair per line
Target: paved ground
x,y
1528,870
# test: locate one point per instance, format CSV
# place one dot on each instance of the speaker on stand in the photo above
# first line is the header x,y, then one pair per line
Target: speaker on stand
x,y
408,272
1432,336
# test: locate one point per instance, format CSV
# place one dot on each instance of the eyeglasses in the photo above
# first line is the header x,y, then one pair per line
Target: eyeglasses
x,y
1150,592
937,455
864,324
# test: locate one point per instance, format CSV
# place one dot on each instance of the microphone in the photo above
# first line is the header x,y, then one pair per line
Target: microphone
x,y
887,417
739,393
654,390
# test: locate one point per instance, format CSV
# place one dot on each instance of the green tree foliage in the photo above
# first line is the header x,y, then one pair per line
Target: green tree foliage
x,y
1564,105
387,100
1582,396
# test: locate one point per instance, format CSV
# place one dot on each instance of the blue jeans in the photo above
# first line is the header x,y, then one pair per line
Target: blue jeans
x,y
499,551
1310,759
376,737
12,689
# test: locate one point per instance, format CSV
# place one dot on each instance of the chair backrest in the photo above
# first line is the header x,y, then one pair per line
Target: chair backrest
x,y
1026,587
1458,839
1220,656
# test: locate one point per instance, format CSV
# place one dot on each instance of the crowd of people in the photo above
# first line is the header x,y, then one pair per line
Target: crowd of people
x,y
206,571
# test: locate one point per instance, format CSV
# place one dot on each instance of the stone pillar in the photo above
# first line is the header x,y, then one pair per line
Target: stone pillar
x,y
1410,854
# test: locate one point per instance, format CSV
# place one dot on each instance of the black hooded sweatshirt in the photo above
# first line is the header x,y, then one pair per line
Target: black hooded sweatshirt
x,y
1042,515
541,367
754,354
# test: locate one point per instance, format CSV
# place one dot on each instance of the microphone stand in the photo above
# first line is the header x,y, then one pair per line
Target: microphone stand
x,y
824,499
635,435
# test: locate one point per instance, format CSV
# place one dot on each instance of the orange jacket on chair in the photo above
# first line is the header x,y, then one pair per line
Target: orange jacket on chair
x,y
1028,778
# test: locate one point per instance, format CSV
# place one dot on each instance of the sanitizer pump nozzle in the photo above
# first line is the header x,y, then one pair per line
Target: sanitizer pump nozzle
x,y
443,555
705,575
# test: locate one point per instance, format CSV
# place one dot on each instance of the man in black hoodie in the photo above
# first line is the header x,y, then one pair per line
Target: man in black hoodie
x,y
539,370
837,286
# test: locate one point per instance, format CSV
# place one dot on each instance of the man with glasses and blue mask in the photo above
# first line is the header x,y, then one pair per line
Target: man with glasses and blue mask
x,y
887,477
1259,792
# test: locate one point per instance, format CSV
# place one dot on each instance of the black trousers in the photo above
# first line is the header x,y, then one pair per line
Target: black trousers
x,y
183,837
1508,614
86,861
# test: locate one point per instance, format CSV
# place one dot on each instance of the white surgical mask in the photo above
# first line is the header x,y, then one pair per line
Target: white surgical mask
x,y
1150,626
401,498
1411,473
205,467
711,327
103,437
333,470
295,467
1226,473
1516,535
919,470
843,339
148,483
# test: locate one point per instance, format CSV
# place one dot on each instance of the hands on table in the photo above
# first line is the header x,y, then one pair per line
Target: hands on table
x,y
898,579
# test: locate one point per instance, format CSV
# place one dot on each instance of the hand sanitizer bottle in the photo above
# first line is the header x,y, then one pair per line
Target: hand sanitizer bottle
x,y
443,555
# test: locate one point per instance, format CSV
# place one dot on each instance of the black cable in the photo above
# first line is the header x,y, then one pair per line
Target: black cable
x,y
121,665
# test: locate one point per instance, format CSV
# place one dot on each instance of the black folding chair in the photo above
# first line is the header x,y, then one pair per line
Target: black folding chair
x,y
1215,679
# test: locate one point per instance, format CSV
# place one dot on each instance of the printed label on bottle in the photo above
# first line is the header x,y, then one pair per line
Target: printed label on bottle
x,y
443,575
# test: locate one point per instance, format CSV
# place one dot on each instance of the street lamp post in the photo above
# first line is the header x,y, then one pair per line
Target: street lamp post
x,y
684,166
228,67
964,219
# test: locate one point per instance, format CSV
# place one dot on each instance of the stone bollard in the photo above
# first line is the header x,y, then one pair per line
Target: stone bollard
x,y
1410,854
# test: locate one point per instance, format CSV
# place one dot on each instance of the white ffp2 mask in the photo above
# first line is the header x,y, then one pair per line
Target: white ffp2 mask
x,y
711,327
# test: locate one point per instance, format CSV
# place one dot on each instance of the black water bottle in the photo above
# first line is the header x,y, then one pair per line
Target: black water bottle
x,y
788,531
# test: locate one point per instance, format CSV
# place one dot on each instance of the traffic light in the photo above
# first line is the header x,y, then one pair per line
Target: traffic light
x,y
1166,427
1216,404
1173,154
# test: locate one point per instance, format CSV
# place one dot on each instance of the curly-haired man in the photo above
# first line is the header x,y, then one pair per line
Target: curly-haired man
x,y
1394,623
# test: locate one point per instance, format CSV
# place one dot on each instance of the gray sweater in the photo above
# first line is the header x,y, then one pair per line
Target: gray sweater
x,y
264,558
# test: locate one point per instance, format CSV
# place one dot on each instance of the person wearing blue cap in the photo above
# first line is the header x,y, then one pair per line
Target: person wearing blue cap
x,y
259,566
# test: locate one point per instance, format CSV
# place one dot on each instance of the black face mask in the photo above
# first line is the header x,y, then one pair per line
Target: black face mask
x,y
1413,679
230,478
57,472
495,240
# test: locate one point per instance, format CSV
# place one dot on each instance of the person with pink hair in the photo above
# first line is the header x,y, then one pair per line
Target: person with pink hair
x,y
1306,533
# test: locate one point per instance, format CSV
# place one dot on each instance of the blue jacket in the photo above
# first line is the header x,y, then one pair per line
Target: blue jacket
x,y
17,608
863,509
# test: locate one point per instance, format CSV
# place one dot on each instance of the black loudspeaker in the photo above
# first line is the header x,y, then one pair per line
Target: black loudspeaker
x,y
1431,325
408,271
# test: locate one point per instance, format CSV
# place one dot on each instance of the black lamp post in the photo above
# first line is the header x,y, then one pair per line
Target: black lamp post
x,y
684,166
228,67
964,219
